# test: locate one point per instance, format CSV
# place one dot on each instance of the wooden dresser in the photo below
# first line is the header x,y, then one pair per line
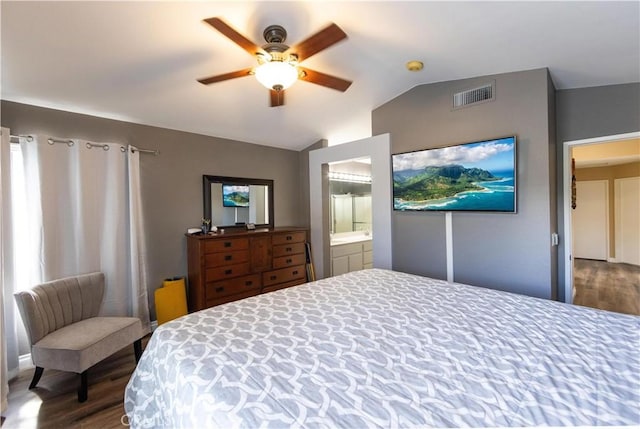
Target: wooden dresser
x,y
238,264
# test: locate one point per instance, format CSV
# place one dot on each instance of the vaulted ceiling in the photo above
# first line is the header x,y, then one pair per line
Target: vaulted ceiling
x,y
139,61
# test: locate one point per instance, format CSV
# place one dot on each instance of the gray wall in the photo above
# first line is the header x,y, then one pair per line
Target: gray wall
x,y
587,113
172,182
502,251
304,180
553,180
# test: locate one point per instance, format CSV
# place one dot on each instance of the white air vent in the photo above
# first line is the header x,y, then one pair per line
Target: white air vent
x,y
473,96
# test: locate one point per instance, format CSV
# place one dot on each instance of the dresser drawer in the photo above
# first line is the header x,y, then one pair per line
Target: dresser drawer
x,y
218,289
288,249
283,275
291,237
227,272
229,298
225,258
288,261
279,286
226,245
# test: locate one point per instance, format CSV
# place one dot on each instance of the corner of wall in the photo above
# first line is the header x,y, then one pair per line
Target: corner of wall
x,y
303,159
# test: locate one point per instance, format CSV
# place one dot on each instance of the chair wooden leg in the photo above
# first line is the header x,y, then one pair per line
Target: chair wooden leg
x,y
83,390
137,348
36,376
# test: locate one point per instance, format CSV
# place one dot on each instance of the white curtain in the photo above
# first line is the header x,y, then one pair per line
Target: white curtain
x,y
137,247
4,247
83,215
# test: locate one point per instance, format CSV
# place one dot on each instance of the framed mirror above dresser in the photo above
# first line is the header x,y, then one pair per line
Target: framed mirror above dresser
x,y
237,201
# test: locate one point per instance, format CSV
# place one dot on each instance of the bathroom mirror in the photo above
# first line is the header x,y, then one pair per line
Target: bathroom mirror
x,y
237,201
350,191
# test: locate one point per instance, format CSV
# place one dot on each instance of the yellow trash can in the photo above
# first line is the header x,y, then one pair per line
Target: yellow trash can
x,y
171,300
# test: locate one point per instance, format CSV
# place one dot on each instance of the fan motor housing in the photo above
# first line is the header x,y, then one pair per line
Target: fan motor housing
x,y
275,34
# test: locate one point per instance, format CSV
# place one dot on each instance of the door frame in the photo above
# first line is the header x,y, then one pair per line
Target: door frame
x,y
566,186
378,148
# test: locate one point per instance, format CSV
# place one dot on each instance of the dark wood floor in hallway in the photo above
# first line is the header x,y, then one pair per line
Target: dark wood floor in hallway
x,y
607,286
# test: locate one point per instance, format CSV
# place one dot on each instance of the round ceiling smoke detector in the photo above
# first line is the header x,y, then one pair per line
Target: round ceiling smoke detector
x,y
415,66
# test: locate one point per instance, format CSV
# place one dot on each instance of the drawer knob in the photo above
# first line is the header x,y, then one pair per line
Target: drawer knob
x,y
227,244
295,272
227,272
274,277
219,289
288,249
289,260
228,257
289,238
248,283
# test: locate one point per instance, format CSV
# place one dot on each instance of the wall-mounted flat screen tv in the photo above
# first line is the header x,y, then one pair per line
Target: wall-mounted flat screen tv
x,y
235,195
476,176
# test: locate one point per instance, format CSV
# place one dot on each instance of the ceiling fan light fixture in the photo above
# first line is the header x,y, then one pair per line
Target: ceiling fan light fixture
x,y
276,75
277,67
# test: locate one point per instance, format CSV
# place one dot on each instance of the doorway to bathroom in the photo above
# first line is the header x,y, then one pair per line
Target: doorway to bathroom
x,y
350,215
377,149
350,196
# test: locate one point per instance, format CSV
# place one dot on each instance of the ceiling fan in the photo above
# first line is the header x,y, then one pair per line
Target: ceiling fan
x,y
278,64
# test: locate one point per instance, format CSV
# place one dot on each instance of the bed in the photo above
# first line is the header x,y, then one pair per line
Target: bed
x,y
378,348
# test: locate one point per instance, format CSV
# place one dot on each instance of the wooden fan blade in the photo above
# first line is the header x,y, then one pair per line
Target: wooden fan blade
x,y
234,36
226,76
318,42
277,98
324,79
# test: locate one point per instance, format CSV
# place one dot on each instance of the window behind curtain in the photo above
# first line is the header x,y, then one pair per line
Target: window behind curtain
x,y
19,220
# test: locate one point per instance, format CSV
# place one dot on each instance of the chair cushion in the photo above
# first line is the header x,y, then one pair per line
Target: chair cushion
x,y
81,345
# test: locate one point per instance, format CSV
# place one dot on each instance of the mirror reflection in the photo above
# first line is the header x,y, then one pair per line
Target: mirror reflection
x,y
350,190
233,201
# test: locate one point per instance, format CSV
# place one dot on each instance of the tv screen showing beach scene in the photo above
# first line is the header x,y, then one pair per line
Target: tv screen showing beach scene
x,y
235,195
478,176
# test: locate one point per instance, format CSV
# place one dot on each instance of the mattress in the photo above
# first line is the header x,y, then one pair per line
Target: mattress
x,y
378,348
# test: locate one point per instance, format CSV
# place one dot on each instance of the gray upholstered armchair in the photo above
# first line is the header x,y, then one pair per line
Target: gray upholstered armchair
x,y
65,331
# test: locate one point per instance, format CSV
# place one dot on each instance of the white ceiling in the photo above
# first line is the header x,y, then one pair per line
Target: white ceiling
x,y
139,61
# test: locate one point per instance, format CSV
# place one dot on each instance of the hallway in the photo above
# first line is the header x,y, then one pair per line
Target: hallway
x,y
607,286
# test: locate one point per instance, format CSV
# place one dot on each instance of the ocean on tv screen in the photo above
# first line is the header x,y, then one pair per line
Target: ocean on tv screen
x,y
496,195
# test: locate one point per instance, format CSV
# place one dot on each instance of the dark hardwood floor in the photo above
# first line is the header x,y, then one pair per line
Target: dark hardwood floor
x,y
54,403
607,286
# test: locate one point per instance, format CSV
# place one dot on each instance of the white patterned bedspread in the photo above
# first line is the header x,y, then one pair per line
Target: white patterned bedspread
x,y
377,348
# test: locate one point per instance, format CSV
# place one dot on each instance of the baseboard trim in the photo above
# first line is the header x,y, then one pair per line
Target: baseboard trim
x,y
12,373
612,260
24,362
